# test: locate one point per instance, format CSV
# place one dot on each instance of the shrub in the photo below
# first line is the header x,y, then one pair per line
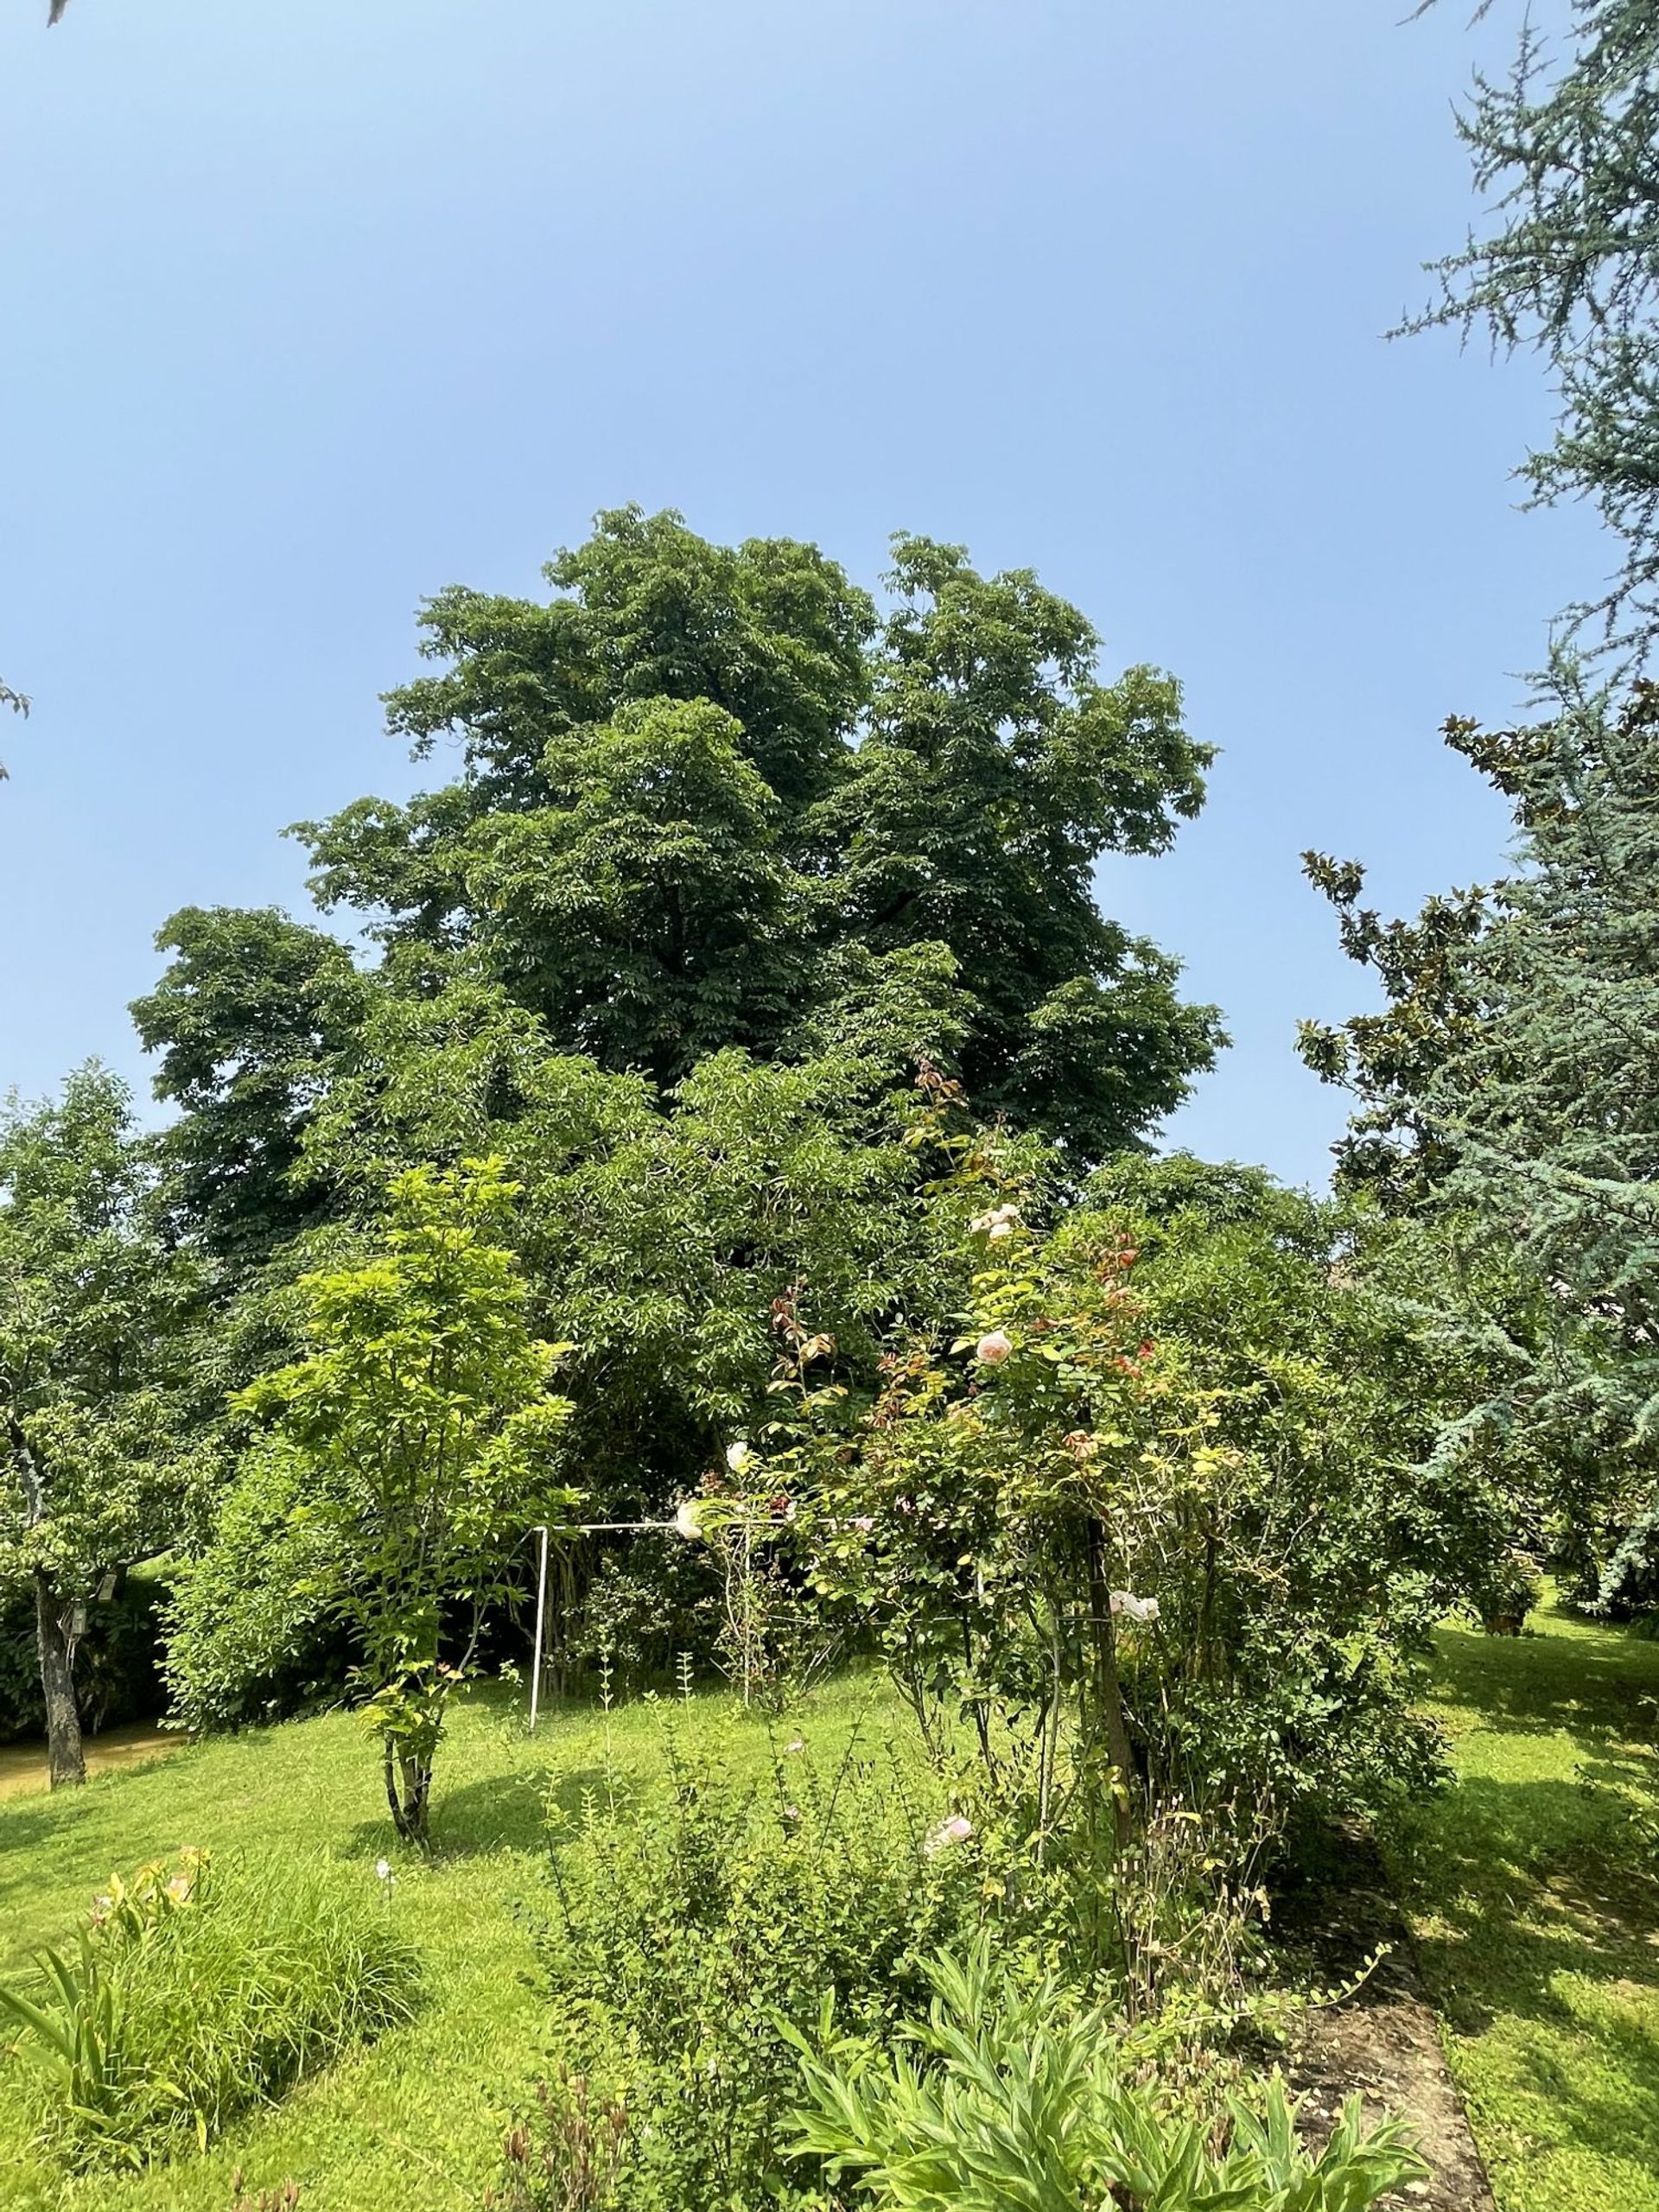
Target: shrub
x,y
1508,1594
689,1927
645,1602
252,1631
1020,2096
1153,1522
188,1999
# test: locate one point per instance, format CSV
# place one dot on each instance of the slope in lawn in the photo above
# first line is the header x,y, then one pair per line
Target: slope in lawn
x,y
417,2121
1533,1886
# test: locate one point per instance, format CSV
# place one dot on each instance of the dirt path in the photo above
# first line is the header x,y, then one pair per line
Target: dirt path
x,y
1383,2042
23,1766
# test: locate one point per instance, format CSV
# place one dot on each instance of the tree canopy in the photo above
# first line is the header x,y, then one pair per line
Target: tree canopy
x,y
709,797
1510,1089
249,1021
424,1431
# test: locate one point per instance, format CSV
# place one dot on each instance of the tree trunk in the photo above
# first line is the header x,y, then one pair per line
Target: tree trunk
x,y
392,1798
417,1792
66,1760
409,1792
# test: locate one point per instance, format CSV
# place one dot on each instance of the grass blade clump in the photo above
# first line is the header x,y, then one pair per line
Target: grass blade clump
x,y
193,1996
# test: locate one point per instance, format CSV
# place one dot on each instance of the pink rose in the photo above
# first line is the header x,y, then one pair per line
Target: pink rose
x,y
995,1348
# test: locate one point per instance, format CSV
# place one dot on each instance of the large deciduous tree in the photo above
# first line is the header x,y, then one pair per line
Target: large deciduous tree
x,y
91,1310
996,771
647,911
706,799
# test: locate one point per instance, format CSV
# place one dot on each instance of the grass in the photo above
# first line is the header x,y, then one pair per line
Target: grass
x,y
1532,1884
416,2120
1533,1890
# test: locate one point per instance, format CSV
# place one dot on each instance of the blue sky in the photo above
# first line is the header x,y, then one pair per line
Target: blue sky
x,y
311,309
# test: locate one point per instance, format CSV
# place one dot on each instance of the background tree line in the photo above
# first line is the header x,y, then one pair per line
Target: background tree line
x,y
733,860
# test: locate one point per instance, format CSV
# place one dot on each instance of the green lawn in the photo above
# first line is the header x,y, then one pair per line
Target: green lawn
x,y
416,2122
1533,1886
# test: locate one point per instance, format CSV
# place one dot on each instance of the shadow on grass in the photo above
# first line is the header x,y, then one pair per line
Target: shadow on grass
x,y
504,1813
1528,1881
1605,1684
28,1827
1534,1884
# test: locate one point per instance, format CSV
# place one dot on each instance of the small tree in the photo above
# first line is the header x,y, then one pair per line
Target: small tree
x,y
92,1305
426,1433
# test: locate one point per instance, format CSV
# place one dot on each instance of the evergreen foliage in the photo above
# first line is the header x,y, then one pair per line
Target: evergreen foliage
x,y
1568,154
1522,1107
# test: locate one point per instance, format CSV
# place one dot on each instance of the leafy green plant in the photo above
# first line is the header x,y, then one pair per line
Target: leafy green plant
x,y
76,2019
688,1925
427,1432
1020,2097
254,1628
184,2000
